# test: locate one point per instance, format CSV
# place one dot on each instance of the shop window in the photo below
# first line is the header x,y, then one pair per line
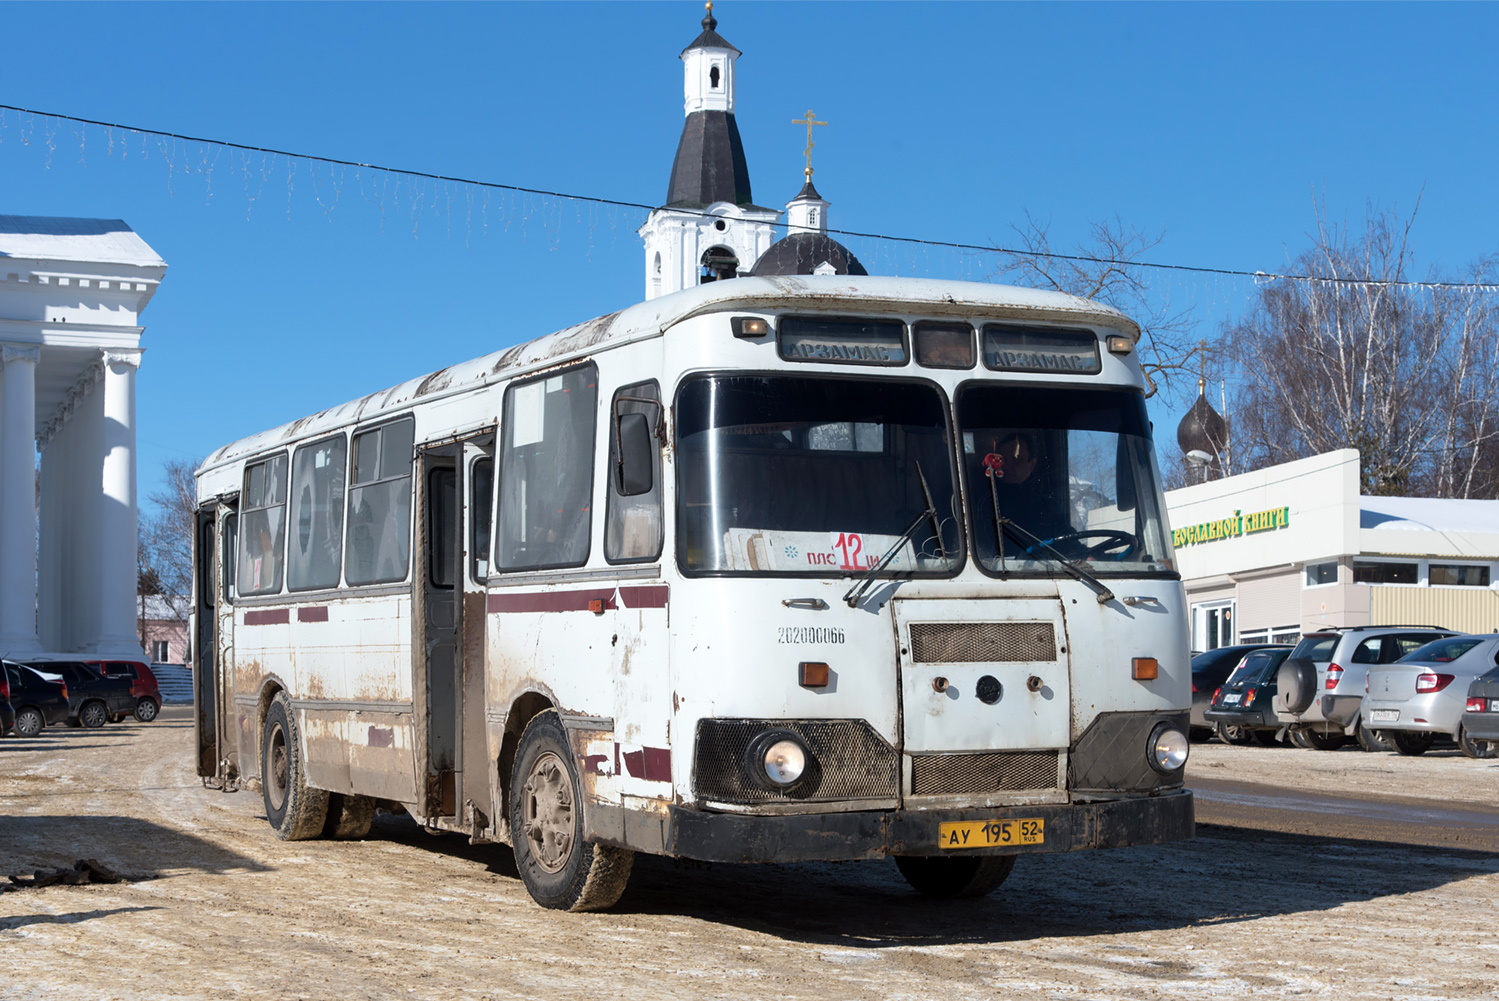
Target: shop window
x,y
1321,573
1212,626
1285,634
1459,576
317,515
379,527
264,514
546,471
1372,572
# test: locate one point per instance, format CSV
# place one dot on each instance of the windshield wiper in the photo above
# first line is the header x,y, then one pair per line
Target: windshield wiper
x,y
856,593
1028,539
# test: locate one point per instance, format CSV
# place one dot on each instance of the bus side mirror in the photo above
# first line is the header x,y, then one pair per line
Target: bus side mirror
x,y
635,471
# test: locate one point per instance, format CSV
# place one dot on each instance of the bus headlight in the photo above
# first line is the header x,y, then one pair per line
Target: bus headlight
x,y
778,759
1168,748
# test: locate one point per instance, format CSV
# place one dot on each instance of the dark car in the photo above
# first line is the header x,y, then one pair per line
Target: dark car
x,y
1241,709
143,684
1209,671
39,701
93,699
1480,724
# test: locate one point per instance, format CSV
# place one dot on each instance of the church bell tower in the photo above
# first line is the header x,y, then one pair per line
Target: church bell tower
x,y
709,228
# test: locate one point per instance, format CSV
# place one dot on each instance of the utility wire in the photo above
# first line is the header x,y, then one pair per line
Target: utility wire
x,y
618,203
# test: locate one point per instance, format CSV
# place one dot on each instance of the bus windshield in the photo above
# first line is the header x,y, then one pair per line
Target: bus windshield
x,y
1073,474
814,475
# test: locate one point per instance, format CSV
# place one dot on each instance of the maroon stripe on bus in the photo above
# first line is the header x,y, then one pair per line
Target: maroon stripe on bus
x,y
312,613
645,597
268,617
550,601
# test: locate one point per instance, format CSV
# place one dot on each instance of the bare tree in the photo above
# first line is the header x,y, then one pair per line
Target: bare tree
x,y
1357,358
1105,268
167,535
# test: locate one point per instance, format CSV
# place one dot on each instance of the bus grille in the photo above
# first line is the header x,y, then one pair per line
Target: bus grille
x,y
849,761
982,642
1003,771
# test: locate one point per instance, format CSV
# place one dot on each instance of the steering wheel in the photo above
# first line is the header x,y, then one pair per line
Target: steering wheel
x,y
1113,545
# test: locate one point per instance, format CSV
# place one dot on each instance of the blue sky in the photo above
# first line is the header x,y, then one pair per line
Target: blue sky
x,y
289,291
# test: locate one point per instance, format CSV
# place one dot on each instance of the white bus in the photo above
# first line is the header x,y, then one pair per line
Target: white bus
x,y
768,570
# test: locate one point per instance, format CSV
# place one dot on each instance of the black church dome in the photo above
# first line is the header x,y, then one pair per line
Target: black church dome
x,y
1202,430
803,253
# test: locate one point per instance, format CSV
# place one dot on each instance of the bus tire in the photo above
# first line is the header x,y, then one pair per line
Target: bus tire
x,y
947,878
559,868
296,810
349,816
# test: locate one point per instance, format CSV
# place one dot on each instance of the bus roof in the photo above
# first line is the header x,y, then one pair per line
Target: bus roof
x,y
868,295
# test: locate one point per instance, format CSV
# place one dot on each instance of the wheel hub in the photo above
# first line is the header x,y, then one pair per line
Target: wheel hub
x,y
276,767
548,812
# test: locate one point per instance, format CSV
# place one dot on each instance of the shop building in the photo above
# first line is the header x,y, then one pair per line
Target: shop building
x,y
1269,555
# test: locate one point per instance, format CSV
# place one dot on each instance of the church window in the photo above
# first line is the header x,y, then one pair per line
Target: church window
x,y
812,216
658,263
713,78
720,225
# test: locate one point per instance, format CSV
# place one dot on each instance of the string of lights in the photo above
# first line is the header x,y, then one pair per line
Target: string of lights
x,y
1257,276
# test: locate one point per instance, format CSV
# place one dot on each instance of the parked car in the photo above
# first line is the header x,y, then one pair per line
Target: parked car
x,y
1320,687
93,699
1481,715
143,685
1241,709
40,700
1209,671
1424,695
7,711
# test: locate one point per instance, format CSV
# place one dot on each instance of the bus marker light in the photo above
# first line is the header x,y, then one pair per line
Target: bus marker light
x,y
1119,344
749,326
1146,668
814,675
596,606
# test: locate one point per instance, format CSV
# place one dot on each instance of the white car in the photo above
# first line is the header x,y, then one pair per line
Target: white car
x,y
1423,695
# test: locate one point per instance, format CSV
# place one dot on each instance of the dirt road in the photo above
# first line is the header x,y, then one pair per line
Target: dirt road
x,y
1294,886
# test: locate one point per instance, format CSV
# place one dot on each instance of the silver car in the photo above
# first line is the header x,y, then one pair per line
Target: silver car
x,y
1321,685
1423,695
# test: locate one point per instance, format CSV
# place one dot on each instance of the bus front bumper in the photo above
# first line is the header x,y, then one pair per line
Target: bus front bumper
x,y
831,837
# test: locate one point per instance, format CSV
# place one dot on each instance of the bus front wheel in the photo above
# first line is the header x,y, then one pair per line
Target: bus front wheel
x,y
559,868
295,810
964,876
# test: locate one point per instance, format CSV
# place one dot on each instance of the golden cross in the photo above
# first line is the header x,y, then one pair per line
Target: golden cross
x,y
809,121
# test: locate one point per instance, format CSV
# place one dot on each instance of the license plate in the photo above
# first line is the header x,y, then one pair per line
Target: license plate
x,y
1229,700
991,833
1384,715
1494,705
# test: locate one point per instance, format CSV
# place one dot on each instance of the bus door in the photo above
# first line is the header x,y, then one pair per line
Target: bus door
x,y
449,687
478,507
205,652
986,675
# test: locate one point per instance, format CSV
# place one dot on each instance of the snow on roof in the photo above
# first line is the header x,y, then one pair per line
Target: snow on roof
x,y
59,238
1428,514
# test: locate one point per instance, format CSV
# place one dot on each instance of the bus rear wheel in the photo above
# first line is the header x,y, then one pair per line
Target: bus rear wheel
x,y
559,868
296,811
946,877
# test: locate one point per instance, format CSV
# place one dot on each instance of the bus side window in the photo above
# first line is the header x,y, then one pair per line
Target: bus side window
x,y
632,527
378,528
546,471
317,515
481,507
264,508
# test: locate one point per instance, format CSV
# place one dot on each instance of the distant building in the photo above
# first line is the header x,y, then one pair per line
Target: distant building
x,y
1269,555
162,621
71,295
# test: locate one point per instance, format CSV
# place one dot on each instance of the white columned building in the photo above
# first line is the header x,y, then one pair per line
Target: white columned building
x,y
71,294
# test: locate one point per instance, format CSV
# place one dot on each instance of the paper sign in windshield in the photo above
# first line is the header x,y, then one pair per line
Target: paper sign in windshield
x,y
831,552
